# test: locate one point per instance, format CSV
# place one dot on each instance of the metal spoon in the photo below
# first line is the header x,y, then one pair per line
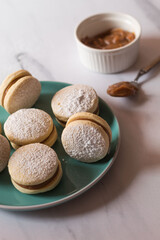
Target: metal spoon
x,y
125,89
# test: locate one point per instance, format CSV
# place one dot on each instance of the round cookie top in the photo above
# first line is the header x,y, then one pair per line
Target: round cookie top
x,y
4,152
73,99
33,164
28,126
85,140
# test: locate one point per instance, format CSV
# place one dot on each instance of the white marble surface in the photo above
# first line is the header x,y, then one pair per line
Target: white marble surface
x,y
39,36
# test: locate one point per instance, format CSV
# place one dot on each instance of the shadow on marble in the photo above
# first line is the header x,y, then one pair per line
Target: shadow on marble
x,y
148,51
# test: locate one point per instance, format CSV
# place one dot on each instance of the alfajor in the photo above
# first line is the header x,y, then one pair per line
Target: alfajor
x,y
4,152
30,125
35,168
19,90
73,99
86,137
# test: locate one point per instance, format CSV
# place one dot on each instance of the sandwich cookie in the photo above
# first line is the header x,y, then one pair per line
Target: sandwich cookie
x,y
19,90
30,125
35,168
86,137
73,99
0,128
4,152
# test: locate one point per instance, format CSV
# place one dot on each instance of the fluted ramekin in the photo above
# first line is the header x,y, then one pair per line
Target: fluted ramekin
x,y
108,60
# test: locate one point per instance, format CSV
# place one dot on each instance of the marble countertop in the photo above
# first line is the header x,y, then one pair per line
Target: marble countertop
x,y
39,36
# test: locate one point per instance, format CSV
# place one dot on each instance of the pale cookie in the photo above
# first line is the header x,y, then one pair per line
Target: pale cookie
x,y
73,99
35,168
86,137
4,152
19,90
30,126
48,141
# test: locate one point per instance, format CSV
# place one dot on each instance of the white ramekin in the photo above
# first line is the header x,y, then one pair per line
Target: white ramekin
x,y
112,60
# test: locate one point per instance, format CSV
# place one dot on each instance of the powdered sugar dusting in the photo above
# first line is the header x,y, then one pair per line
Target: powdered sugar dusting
x,y
27,124
84,143
73,99
32,164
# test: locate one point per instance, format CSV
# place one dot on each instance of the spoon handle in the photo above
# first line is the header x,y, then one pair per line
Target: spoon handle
x,y
147,68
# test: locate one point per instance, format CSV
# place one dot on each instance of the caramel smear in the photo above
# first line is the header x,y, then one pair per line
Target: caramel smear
x,y
110,39
122,89
41,185
7,88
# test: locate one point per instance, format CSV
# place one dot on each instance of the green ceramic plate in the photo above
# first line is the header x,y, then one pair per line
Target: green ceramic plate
x,y
77,176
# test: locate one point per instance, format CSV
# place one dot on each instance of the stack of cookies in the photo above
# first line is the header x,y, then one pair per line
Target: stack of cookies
x,y
73,99
34,167
30,125
19,90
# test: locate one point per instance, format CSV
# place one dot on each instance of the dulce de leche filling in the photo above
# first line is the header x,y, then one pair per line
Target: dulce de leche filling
x,y
7,88
122,89
12,83
91,120
41,185
16,145
13,79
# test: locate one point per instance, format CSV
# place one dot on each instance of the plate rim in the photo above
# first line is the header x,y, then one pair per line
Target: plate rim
x,y
80,191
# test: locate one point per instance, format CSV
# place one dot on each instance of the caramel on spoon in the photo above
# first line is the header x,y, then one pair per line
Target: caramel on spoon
x,y
125,89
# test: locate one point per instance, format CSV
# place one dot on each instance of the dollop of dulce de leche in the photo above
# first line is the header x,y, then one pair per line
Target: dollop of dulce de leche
x,y
122,89
110,39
